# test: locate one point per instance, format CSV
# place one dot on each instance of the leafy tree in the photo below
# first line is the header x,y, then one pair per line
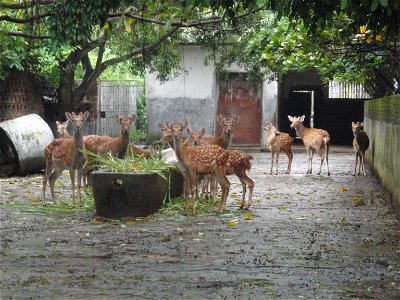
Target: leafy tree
x,y
56,37
354,40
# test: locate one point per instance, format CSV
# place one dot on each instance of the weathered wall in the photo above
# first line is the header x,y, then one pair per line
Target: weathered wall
x,y
193,95
382,124
190,95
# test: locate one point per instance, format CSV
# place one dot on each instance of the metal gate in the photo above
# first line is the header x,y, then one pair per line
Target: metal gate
x,y
116,98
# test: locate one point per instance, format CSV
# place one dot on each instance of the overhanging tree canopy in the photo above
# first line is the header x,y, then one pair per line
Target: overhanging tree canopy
x,y
55,37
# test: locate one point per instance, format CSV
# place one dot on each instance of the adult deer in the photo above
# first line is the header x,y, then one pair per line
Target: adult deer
x,y
199,160
278,142
314,140
101,144
360,145
66,154
238,163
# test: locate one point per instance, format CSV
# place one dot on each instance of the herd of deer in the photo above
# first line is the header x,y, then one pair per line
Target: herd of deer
x,y
199,154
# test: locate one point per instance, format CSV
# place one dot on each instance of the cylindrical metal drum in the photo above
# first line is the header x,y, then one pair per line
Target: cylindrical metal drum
x,y
22,142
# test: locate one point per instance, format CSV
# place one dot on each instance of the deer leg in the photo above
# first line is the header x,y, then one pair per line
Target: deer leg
x,y
46,176
194,192
79,175
310,153
204,187
327,159
363,161
243,192
225,184
290,158
276,162
246,180
186,190
53,177
322,157
213,188
355,164
360,163
272,161
72,177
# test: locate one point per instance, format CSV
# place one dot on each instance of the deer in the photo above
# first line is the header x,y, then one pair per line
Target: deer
x,y
134,150
199,160
66,154
238,163
314,139
62,129
360,145
224,140
101,144
278,142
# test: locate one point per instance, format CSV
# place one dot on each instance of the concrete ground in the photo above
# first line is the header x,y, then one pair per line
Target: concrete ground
x,y
308,237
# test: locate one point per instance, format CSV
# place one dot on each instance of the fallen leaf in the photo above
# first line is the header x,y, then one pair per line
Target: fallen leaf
x,y
342,189
233,222
165,238
201,233
248,216
282,208
357,201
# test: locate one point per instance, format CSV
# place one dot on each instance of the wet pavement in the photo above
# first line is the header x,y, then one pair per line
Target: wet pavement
x,y
308,237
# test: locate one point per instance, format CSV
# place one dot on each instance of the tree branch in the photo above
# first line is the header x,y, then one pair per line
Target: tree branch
x,y
26,35
25,4
24,20
137,51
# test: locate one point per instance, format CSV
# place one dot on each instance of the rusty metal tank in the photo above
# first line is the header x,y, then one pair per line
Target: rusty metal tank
x,y
22,142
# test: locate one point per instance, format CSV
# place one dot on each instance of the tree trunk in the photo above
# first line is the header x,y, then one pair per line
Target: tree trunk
x,y
66,88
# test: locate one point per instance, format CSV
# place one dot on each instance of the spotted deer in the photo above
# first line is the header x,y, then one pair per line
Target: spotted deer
x,y
314,139
239,163
224,140
360,145
278,142
62,129
199,160
101,144
66,154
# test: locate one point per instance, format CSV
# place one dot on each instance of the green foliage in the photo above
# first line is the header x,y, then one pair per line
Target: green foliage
x,y
141,113
132,163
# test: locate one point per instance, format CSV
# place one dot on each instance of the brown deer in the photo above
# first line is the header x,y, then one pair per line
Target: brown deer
x,y
360,145
314,140
278,142
66,153
199,160
224,140
62,129
101,144
238,163
135,150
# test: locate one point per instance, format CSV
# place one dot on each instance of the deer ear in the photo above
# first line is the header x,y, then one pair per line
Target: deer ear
x,y
57,123
220,120
362,124
290,118
85,115
302,118
185,124
68,116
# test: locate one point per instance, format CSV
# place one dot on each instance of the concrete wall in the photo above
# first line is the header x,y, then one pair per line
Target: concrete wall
x,y
193,95
382,124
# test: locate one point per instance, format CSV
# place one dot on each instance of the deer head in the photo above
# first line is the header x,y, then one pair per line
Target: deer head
x,y
77,120
227,123
296,121
62,129
196,136
357,127
126,122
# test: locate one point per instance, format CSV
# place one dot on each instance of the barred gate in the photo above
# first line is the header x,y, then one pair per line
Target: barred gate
x,y
115,98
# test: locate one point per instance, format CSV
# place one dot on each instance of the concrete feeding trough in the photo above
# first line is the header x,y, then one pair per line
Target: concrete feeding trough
x,y
22,142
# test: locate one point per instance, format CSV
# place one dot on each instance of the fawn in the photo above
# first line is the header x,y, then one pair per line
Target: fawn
x,y
62,129
66,153
314,140
360,145
238,163
199,160
278,142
